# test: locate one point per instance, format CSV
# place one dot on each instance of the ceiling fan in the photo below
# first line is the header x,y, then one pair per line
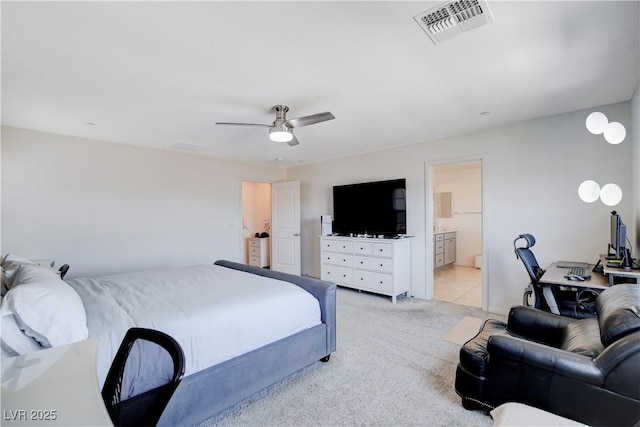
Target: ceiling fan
x,y
282,128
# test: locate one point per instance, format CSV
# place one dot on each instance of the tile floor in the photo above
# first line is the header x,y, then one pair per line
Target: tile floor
x,y
459,285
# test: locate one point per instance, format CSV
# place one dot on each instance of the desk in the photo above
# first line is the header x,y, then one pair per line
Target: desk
x,y
554,276
614,272
56,386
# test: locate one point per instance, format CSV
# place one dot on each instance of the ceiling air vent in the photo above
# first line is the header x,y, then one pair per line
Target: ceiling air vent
x,y
452,18
188,146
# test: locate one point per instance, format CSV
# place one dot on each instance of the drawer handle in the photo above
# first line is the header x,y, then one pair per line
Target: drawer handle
x,y
344,260
344,275
381,282
361,262
380,265
380,250
362,278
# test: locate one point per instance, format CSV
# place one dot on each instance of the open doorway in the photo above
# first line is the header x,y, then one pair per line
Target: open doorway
x,y
256,218
457,232
272,211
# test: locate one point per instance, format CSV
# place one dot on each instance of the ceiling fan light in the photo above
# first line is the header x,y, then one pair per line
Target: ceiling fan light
x,y
280,134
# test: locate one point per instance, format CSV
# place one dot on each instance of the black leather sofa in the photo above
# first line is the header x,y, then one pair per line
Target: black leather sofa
x,y
587,370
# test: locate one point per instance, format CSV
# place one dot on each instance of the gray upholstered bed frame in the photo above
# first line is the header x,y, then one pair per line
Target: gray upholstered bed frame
x,y
205,393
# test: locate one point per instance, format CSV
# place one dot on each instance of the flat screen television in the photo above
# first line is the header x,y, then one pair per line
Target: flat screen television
x,y
372,208
618,237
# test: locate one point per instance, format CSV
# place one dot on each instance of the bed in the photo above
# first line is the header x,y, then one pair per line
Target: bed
x,y
242,328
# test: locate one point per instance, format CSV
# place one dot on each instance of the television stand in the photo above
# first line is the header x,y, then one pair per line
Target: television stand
x,y
381,266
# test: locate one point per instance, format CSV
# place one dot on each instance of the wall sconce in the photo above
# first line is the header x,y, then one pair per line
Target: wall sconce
x,y
590,191
614,132
610,194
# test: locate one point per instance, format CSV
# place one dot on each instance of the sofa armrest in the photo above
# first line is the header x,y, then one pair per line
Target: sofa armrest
x,y
540,356
620,364
537,325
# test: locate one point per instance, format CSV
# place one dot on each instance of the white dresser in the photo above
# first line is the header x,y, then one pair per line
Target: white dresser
x,y
259,251
382,266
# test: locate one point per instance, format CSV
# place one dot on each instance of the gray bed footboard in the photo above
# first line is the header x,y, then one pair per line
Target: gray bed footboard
x,y
203,394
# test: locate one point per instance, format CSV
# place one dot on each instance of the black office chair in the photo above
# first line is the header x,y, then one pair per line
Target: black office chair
x,y
145,373
572,303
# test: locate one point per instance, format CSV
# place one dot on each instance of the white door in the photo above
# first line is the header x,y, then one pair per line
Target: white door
x,y
285,227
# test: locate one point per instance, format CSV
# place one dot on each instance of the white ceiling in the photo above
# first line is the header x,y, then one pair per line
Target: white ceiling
x,y
159,73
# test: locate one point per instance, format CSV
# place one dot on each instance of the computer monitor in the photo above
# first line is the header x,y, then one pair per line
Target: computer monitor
x,y
618,237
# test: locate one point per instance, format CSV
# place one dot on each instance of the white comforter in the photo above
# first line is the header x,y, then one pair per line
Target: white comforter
x,y
215,313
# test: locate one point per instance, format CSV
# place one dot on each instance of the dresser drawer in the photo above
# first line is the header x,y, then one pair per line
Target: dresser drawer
x,y
439,260
337,246
362,248
337,258
336,274
371,263
254,243
370,280
253,250
382,249
255,260
439,247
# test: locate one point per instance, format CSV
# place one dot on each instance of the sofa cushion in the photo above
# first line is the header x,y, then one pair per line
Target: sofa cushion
x,y
618,311
582,337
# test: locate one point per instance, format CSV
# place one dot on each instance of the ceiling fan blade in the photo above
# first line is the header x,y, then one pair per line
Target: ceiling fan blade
x,y
294,141
243,124
309,120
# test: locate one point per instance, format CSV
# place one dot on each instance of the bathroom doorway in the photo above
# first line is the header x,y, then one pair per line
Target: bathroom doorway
x,y
256,214
457,232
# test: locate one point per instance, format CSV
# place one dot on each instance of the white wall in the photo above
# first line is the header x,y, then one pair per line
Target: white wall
x,y
106,208
531,172
635,142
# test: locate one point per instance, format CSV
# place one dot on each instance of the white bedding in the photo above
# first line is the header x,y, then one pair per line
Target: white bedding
x,y
214,312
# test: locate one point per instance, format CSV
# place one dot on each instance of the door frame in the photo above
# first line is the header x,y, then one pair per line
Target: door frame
x,y
429,267
243,249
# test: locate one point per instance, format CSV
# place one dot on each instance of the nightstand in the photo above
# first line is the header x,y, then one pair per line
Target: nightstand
x,y
259,249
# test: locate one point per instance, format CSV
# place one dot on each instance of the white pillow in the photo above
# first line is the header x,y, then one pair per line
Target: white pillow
x,y
4,287
15,340
10,264
45,307
14,261
512,414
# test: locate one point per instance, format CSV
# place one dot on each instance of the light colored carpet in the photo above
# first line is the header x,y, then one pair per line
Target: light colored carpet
x,y
392,367
466,329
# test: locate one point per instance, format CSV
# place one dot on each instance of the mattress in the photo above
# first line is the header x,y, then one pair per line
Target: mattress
x,y
214,312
